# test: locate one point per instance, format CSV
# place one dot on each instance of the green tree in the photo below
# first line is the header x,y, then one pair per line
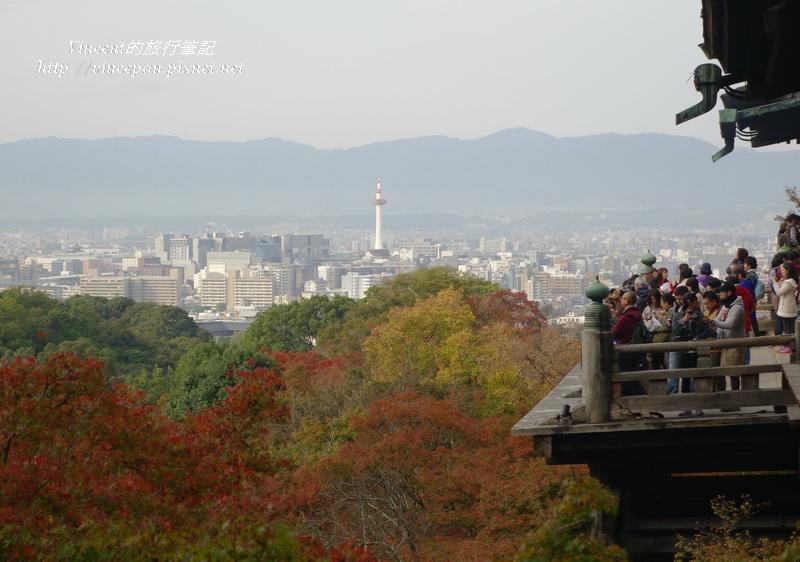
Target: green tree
x,y
295,326
24,320
157,384
81,316
567,533
16,325
406,288
115,332
205,371
128,336
155,321
75,318
30,298
200,378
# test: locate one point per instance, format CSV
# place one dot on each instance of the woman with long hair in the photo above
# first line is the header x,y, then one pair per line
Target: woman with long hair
x,y
775,275
787,300
664,284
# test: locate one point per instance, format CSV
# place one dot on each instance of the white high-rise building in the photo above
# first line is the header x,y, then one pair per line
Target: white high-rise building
x,y
356,285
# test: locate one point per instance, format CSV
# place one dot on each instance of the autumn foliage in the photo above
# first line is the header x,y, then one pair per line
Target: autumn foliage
x,y
393,443
84,466
422,480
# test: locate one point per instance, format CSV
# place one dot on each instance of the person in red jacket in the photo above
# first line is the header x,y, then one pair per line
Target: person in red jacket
x,y
623,334
623,328
747,300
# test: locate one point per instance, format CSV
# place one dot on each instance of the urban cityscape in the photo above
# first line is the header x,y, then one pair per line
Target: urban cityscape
x,y
230,276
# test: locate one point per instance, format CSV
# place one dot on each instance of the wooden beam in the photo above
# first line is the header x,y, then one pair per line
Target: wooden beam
x,y
644,425
762,341
705,400
691,523
793,411
733,371
711,438
791,376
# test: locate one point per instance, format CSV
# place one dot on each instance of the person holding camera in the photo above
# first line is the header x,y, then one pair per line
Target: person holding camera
x,y
687,325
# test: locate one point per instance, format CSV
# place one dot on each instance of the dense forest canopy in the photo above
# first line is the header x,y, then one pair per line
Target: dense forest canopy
x,y
127,336
332,429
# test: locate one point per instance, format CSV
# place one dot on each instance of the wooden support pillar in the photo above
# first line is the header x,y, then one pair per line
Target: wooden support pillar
x,y
796,343
705,384
597,348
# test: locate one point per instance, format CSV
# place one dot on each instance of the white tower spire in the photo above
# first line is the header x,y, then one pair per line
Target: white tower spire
x,y
379,201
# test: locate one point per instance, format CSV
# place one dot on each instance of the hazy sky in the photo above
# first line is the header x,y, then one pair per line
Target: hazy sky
x,y
342,73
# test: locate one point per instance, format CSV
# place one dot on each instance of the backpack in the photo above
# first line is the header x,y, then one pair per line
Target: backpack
x,y
685,333
759,290
695,329
640,332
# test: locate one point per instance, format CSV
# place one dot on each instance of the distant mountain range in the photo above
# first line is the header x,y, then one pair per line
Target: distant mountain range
x,y
514,173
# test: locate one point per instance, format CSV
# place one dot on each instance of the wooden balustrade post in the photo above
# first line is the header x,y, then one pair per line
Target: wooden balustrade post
x,y
704,384
596,354
796,353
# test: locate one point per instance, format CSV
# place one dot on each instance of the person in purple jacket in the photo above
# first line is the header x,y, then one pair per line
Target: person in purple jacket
x,y
705,273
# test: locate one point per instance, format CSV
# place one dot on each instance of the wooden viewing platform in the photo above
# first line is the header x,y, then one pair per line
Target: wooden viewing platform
x,y
664,467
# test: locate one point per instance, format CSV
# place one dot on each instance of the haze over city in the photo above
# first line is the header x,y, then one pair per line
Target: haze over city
x,y
344,74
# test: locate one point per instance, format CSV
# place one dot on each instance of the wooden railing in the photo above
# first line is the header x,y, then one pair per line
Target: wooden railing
x,y
602,380
704,396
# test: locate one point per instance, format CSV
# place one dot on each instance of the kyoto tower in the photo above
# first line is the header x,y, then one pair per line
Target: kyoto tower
x,y
379,201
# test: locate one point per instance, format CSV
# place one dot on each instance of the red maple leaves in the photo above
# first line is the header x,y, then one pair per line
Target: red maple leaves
x,y
83,462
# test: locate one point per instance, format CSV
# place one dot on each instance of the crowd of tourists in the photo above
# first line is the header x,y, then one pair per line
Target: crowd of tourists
x,y
699,306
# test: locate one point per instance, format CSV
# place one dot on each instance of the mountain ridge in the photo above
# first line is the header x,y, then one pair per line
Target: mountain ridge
x,y
520,168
